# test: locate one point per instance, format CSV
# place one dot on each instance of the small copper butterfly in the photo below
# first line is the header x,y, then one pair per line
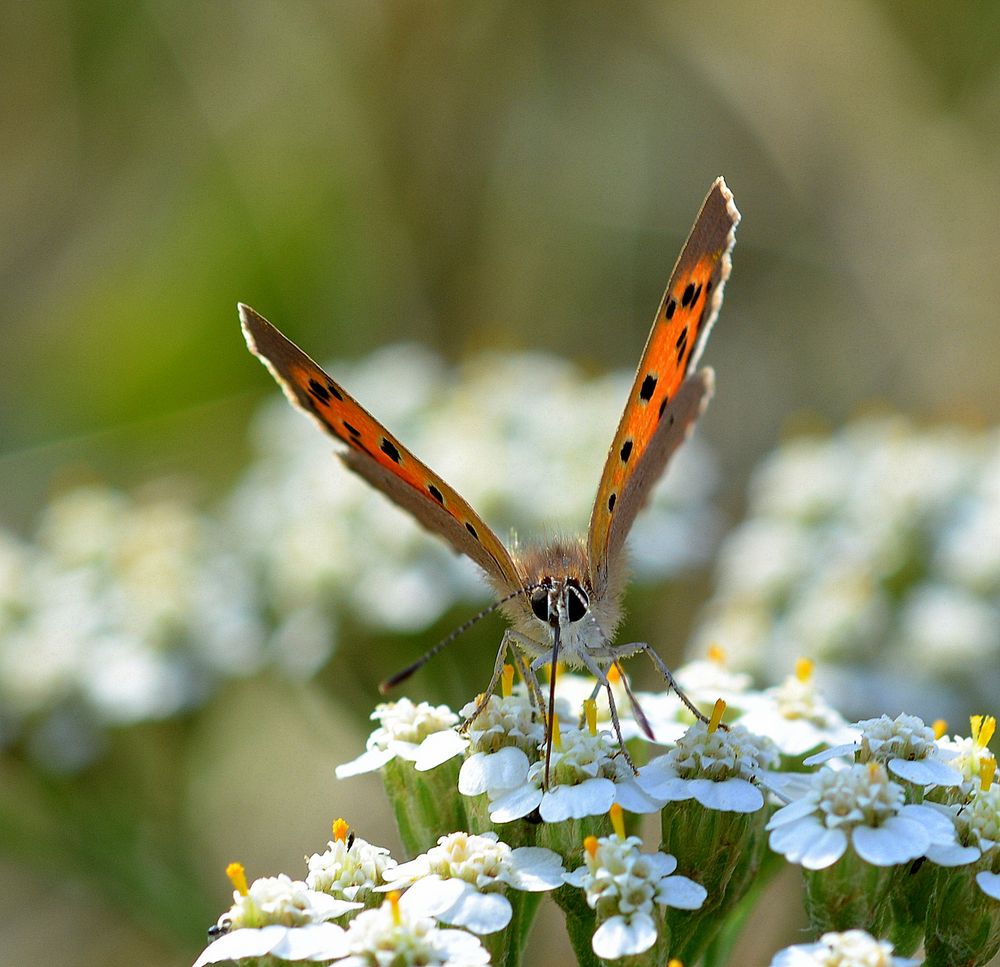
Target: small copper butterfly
x,y
563,599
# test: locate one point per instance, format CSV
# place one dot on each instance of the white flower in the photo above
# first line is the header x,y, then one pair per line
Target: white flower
x,y
716,768
461,881
859,807
795,716
587,774
853,948
624,885
977,829
904,744
971,755
348,870
281,917
394,935
422,734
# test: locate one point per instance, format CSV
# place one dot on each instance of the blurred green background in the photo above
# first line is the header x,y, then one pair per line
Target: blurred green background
x,y
468,176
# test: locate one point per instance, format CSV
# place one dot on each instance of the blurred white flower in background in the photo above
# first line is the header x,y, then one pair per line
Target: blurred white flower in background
x,y
121,609
875,551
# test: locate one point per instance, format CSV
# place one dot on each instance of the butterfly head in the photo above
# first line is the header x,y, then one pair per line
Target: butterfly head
x,y
561,601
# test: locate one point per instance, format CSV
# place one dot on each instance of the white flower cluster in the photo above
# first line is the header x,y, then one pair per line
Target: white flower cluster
x,y
625,886
852,948
122,609
874,549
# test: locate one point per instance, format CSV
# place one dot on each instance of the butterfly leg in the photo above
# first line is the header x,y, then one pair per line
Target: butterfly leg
x,y
484,698
602,682
623,651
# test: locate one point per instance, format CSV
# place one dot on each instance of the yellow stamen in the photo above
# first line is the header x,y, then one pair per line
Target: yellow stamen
x,y
393,898
876,771
987,770
340,829
804,668
556,734
590,714
717,713
507,681
986,730
590,845
674,962
617,820
716,654
940,727
238,877
975,721
614,674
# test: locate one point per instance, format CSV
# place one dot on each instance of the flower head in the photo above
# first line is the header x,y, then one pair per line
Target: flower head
x,y
853,948
859,807
625,887
463,879
419,733
350,868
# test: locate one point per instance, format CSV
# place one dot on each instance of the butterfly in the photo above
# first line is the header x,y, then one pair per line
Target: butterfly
x,y
562,599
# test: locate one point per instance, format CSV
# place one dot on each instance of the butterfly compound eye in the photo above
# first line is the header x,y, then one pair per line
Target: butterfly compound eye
x,y
540,604
577,601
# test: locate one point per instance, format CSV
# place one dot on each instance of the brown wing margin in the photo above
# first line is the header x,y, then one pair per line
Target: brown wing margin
x,y
377,456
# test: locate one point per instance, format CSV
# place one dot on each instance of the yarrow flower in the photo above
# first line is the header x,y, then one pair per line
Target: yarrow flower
x,y
852,948
587,773
714,766
795,716
351,868
419,733
970,755
859,807
462,880
279,916
394,935
624,886
905,745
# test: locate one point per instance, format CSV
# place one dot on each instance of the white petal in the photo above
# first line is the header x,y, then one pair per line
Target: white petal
x,y
680,892
439,747
834,752
667,788
790,786
241,943
661,864
824,850
404,873
925,772
515,804
433,896
328,907
731,795
492,771
534,868
369,761
463,949
617,938
479,912
578,877
403,750
317,941
792,813
898,840
592,797
989,883
631,797
940,825
953,854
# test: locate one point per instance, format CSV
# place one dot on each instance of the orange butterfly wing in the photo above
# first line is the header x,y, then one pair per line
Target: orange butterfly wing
x,y
665,399
376,455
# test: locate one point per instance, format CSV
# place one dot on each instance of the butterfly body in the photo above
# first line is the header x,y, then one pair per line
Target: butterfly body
x,y
562,598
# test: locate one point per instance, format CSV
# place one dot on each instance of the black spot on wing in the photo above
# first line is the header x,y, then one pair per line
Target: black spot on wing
x,y
337,395
688,296
611,502
648,388
319,391
671,309
436,494
353,430
390,451
626,451
472,530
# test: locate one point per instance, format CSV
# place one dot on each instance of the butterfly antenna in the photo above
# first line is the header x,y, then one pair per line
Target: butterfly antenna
x,y
405,673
